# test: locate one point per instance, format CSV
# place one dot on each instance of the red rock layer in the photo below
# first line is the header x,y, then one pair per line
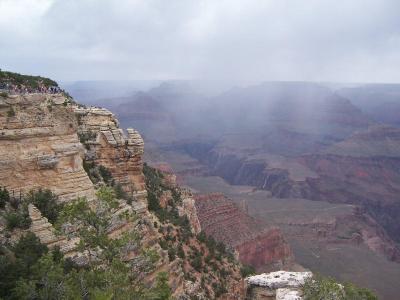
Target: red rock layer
x,y
266,248
256,245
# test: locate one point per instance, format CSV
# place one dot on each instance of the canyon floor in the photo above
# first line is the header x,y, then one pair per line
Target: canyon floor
x,y
306,224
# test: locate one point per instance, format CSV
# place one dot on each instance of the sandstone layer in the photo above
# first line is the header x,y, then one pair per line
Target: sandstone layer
x,y
108,146
45,231
39,147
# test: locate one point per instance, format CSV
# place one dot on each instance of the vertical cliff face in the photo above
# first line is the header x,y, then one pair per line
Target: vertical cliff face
x,y
255,244
189,209
107,145
39,146
268,247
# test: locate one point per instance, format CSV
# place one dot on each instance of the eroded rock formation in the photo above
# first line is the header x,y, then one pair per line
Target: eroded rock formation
x,y
189,209
41,227
280,285
255,244
108,146
39,146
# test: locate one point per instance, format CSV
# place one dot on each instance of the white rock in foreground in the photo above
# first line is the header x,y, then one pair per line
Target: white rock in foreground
x,y
288,294
279,279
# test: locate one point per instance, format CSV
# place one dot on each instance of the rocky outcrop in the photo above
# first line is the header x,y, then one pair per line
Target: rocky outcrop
x,y
108,146
188,208
266,248
280,285
39,146
41,227
255,244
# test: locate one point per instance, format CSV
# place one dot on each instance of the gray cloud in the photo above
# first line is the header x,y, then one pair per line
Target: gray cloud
x,y
318,40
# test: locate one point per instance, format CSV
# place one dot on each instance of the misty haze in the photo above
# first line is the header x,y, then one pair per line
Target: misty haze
x,y
199,149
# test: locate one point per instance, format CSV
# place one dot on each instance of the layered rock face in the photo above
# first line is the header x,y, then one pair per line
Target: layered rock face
x,y
268,247
39,147
108,146
41,227
276,285
361,170
256,245
189,209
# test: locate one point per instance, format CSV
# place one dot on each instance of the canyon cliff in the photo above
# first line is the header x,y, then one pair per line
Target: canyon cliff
x,y
256,245
49,142
108,146
39,146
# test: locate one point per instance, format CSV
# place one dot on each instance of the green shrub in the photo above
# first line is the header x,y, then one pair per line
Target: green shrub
x,y
162,291
26,252
208,259
119,192
105,174
4,94
86,136
153,203
181,252
91,170
171,254
106,194
218,289
163,244
201,237
320,287
247,270
4,197
356,293
29,249
18,219
47,203
26,80
197,263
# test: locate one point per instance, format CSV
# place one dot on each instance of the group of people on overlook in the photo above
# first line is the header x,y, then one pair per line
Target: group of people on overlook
x,y
11,88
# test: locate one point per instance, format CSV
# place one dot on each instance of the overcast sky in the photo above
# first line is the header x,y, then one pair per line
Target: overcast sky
x,y
316,40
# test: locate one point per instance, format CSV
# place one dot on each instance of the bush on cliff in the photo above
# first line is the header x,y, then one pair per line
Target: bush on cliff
x,y
4,197
25,80
197,263
179,241
162,291
17,262
155,188
171,254
247,270
18,218
46,202
105,174
319,287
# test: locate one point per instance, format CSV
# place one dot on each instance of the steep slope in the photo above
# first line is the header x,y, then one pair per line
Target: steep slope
x,y
39,146
108,146
97,219
261,247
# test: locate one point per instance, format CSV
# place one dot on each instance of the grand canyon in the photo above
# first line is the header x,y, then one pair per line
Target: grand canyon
x,y
300,157
199,150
